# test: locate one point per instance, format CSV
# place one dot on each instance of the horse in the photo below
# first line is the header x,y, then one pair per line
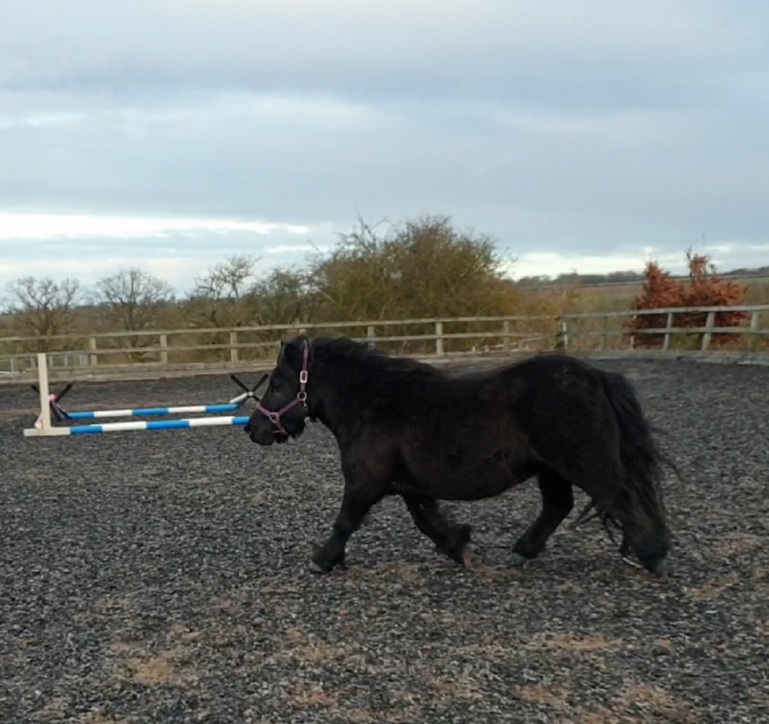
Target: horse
x,y
408,428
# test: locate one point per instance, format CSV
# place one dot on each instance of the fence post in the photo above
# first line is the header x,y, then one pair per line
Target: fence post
x,y
605,335
506,335
439,338
233,347
93,359
370,334
164,349
754,319
709,330
562,336
668,328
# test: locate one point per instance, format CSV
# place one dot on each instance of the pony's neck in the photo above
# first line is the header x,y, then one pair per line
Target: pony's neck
x,y
350,382
345,388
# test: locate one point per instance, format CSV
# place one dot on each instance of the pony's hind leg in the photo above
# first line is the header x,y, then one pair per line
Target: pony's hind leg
x,y
449,538
645,532
642,522
557,503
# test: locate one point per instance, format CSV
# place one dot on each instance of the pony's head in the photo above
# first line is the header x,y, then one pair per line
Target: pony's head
x,y
282,411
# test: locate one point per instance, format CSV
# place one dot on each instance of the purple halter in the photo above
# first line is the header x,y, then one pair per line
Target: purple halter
x,y
301,396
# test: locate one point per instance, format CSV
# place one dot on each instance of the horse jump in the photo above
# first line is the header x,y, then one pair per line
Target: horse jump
x,y
49,405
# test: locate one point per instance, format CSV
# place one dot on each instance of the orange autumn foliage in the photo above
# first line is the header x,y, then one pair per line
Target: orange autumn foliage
x,y
704,288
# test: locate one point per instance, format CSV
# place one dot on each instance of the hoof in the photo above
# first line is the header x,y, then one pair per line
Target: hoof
x,y
656,563
320,564
660,568
316,567
459,538
657,566
631,562
460,556
518,560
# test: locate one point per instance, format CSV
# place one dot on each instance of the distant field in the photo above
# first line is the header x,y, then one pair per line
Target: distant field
x,y
618,296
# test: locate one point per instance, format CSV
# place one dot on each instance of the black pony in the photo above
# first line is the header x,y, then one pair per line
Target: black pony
x,y
407,428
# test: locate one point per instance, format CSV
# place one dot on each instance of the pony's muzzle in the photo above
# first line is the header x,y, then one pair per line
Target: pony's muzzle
x,y
261,432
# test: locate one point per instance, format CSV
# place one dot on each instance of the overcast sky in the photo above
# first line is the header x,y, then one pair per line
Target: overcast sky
x,y
586,135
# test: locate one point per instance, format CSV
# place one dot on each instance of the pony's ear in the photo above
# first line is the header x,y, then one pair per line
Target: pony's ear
x,y
292,352
281,351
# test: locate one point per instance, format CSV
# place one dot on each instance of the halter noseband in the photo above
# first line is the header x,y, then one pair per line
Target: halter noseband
x,y
301,396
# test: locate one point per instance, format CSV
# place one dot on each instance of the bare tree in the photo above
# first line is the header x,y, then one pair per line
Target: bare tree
x,y
220,296
285,295
43,307
133,298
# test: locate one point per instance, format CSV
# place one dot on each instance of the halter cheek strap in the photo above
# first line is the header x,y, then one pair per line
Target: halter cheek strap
x,y
301,396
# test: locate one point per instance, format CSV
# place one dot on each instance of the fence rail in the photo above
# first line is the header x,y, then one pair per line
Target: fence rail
x,y
214,348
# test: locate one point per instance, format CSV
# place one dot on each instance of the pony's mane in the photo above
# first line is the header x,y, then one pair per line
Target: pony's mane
x,y
362,353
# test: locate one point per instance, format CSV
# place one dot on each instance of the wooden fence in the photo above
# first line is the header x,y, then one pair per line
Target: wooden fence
x,y
243,347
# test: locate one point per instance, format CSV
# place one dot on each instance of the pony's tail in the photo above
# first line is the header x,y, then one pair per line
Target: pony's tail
x,y
642,460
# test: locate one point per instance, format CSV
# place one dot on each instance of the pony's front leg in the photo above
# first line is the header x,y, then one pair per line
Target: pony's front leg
x,y
356,503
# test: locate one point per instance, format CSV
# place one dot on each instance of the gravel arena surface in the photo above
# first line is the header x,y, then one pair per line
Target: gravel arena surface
x,y
163,577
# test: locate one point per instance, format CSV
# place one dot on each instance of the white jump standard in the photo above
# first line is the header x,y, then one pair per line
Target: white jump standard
x,y
43,426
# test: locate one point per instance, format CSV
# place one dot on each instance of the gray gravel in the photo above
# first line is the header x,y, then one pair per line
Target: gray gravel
x,y
163,577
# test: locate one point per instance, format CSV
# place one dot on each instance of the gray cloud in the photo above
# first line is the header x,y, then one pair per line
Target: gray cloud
x,y
580,128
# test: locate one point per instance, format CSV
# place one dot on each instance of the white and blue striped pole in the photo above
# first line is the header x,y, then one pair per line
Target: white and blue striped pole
x,y
151,425
153,411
